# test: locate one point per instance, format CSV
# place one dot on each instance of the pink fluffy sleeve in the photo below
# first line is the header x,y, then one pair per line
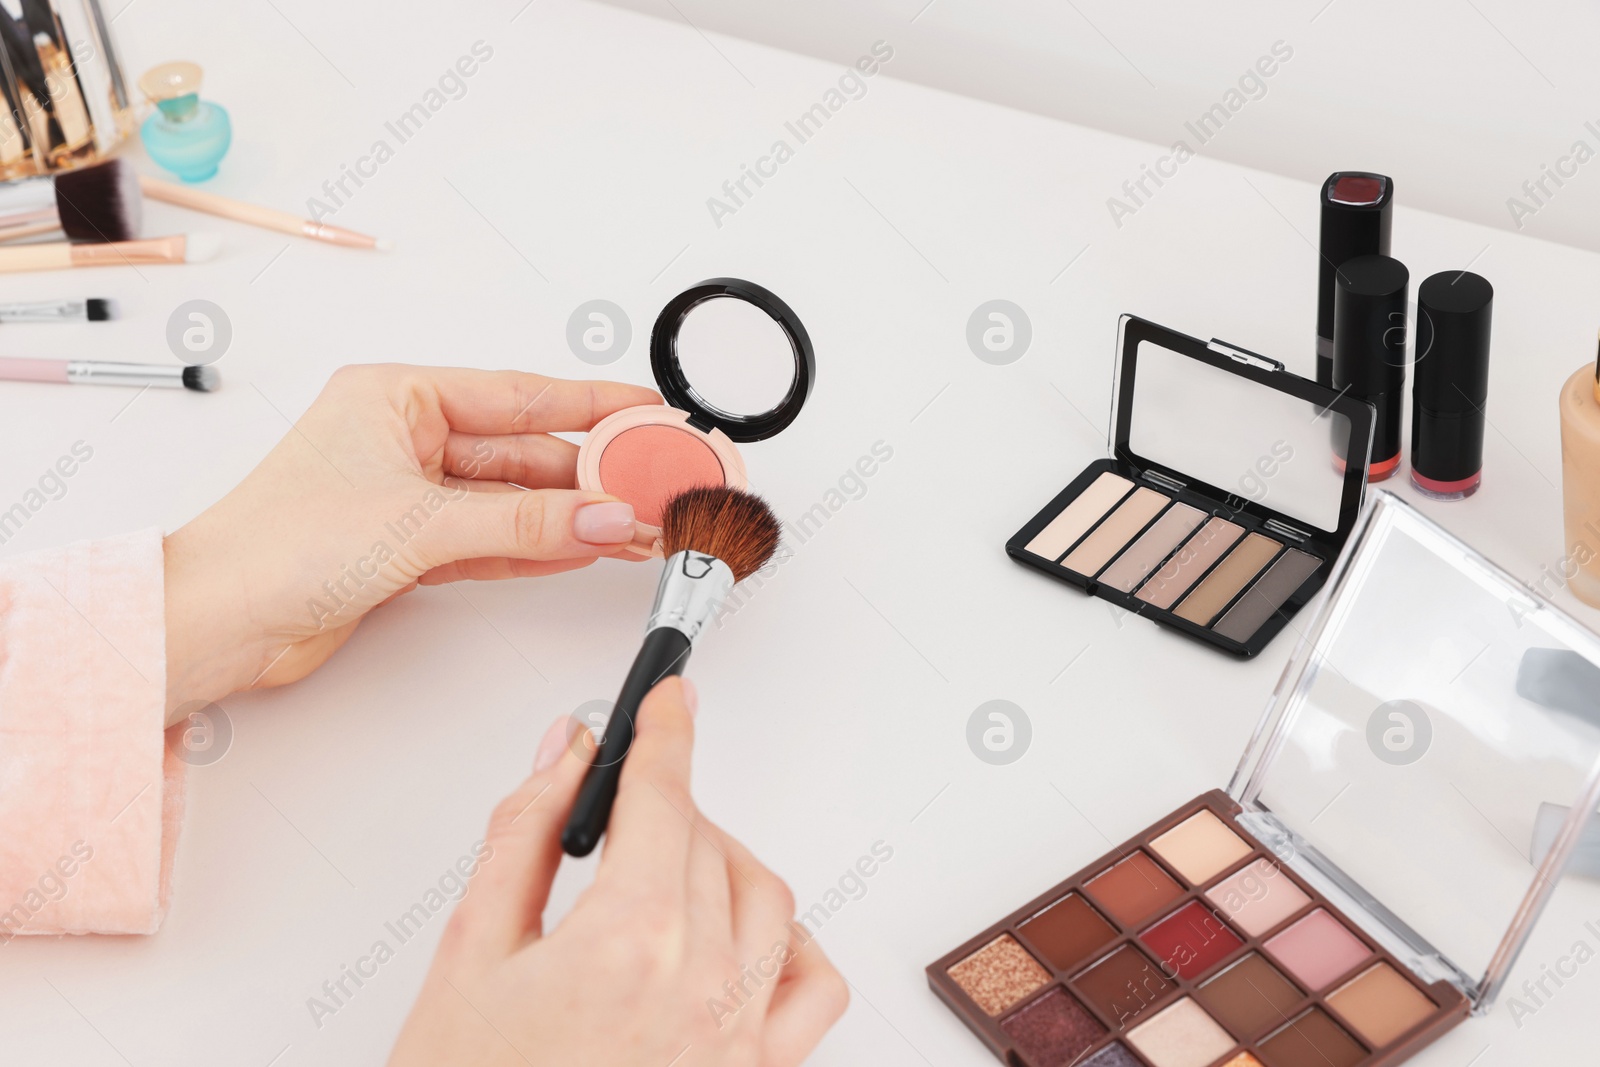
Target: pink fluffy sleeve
x,y
90,799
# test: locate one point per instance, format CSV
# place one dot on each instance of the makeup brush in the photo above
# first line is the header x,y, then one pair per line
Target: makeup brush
x,y
712,537
201,379
91,205
265,217
94,309
59,255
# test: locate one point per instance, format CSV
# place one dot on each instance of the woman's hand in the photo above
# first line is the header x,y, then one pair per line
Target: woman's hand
x,y
394,476
683,952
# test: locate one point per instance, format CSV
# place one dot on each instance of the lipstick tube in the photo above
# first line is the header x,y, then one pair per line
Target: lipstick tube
x,y
1356,220
1450,384
1369,348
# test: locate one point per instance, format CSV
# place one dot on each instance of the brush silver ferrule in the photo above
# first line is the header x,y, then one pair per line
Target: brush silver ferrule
x,y
693,587
100,373
45,311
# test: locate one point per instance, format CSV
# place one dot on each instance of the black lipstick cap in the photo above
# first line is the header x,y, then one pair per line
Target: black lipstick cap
x,y
1369,347
1356,221
1451,383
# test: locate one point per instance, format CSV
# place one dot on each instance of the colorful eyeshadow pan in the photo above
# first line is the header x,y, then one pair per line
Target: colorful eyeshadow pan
x,y
1232,961
1381,1004
1181,1036
1190,941
1122,985
1141,558
1134,889
1318,949
1250,997
1112,535
999,974
1258,897
1197,556
1312,1040
1053,1030
1068,933
1076,518
1231,575
1200,847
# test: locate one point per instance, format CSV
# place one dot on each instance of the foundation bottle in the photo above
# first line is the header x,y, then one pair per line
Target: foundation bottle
x,y
1580,476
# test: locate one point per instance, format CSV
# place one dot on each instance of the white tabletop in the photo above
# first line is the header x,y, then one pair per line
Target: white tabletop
x,y
576,166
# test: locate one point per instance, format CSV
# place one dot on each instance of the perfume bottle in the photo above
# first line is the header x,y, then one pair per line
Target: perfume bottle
x,y
186,135
1580,477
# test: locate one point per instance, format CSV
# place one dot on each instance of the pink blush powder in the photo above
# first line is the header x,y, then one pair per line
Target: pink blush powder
x,y
649,465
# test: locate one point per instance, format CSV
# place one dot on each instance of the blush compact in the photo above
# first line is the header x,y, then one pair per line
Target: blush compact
x,y
734,364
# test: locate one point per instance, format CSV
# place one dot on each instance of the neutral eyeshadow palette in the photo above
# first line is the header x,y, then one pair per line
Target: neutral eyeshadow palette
x,y
1188,946
1228,493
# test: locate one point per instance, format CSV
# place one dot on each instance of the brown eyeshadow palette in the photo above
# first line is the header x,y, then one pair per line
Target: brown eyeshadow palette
x,y
1190,946
1228,494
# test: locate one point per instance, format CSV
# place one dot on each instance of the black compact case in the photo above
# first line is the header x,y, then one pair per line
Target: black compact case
x,y
1222,504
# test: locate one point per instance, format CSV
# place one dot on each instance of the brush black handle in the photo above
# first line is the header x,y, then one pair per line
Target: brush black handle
x,y
663,654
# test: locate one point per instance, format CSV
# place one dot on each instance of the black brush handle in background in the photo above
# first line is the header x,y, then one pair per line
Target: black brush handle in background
x,y
662,655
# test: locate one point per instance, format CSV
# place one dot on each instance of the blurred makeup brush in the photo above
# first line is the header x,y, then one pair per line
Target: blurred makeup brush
x,y
265,217
59,255
201,379
712,537
90,205
94,309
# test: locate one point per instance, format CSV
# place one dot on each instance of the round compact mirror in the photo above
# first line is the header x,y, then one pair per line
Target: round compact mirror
x,y
734,356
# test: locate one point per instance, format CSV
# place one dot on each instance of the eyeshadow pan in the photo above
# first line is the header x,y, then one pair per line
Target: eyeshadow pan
x,y
999,974
1318,949
1131,516
1181,1036
1201,847
1224,583
1250,997
1122,985
1257,897
1190,941
1068,932
1053,1030
1082,512
1381,1004
1191,561
1280,583
1134,889
1243,1059
1154,545
1113,1055
1312,1040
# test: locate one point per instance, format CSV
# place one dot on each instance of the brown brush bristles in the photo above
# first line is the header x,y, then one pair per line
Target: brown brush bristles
x,y
100,203
736,527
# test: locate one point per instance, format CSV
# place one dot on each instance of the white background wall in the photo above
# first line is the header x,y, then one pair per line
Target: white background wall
x,y
1460,101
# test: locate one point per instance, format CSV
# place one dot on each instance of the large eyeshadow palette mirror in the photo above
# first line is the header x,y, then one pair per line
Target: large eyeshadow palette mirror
x,y
1230,489
1350,897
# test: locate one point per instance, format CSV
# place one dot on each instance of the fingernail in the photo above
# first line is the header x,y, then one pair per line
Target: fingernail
x,y
553,744
691,697
610,523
